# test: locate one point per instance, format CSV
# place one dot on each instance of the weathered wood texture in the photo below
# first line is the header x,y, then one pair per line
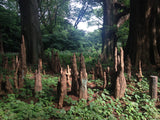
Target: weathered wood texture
x,y
120,80
74,72
83,79
63,87
153,87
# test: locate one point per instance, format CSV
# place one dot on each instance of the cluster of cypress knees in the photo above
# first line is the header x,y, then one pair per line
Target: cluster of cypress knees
x,y
76,80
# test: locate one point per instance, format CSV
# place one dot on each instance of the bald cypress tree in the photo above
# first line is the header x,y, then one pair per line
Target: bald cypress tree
x,y
144,35
31,29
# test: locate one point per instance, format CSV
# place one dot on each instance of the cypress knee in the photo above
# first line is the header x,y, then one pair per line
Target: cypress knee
x,y
63,88
120,81
74,72
83,79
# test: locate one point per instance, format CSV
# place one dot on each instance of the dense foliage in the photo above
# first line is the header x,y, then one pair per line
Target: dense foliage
x,y
9,27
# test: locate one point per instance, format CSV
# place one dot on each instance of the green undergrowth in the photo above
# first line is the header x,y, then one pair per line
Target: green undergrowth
x,y
25,105
65,57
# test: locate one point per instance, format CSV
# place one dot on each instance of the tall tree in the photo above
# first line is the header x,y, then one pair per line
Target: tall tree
x,y
52,13
115,13
31,29
144,35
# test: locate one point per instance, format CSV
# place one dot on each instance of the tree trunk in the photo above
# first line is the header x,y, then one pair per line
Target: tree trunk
x,y
144,32
31,29
108,33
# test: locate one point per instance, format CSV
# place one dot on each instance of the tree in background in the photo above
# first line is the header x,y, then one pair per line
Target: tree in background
x,y
9,26
144,32
115,13
31,29
52,13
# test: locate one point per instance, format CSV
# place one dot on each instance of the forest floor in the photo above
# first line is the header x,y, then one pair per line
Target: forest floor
x,y
101,104
24,104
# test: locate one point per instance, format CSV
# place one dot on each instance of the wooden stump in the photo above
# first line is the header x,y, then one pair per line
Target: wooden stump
x,y
74,72
153,87
83,79
139,74
120,80
63,88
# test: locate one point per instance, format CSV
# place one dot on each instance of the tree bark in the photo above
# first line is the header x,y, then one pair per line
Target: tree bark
x,y
107,33
144,32
31,29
